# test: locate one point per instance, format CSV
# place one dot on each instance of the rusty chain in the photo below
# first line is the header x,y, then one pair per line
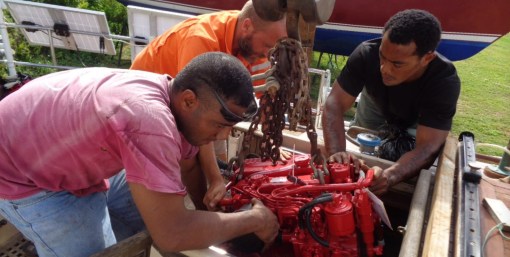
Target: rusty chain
x,y
293,98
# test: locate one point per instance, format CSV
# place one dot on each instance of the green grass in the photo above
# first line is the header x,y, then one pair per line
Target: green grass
x,y
484,103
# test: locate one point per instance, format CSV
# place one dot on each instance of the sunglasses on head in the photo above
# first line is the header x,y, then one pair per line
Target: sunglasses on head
x,y
229,116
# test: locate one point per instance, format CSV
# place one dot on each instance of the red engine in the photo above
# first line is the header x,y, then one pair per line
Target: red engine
x,y
323,211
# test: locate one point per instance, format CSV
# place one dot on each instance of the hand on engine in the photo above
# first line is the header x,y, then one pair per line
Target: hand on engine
x,y
346,158
381,182
270,228
214,194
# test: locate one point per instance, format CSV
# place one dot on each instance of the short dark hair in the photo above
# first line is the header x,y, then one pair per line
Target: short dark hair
x,y
414,25
219,72
259,23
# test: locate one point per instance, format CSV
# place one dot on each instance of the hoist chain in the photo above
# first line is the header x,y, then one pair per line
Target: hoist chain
x,y
292,98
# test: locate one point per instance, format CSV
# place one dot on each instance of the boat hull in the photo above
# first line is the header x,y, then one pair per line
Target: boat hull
x,y
469,25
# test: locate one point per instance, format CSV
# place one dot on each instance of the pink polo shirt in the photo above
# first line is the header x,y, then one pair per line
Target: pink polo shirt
x,y
73,130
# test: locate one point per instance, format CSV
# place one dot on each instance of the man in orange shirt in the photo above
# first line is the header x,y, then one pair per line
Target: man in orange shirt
x,y
240,33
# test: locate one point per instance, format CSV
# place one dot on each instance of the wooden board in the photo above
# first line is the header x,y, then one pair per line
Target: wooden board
x,y
192,253
414,226
494,188
138,245
439,227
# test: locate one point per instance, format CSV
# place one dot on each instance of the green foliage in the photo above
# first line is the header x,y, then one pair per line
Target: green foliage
x,y
325,61
333,63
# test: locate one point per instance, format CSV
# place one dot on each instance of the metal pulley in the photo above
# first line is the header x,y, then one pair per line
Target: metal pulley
x,y
287,79
272,10
313,11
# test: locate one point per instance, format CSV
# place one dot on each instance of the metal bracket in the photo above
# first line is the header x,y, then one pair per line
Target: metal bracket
x,y
469,198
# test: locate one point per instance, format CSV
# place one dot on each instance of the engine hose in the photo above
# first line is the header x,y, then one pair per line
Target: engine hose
x,y
305,213
319,199
312,232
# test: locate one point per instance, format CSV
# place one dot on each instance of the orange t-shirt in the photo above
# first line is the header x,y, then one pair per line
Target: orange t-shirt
x,y
172,50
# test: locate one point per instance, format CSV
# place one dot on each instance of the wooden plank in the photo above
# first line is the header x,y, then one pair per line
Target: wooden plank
x,y
412,238
193,253
13,243
138,245
7,232
494,188
439,229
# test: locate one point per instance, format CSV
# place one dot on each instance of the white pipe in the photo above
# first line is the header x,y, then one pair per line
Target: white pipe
x,y
506,150
7,44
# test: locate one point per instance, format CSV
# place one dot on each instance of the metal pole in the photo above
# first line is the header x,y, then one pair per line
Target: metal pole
x,y
52,48
7,43
469,175
59,67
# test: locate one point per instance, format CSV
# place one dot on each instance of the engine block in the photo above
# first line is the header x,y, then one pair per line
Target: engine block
x,y
323,210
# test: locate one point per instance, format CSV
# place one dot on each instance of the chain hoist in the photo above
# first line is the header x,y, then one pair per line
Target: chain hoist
x,y
288,97
289,73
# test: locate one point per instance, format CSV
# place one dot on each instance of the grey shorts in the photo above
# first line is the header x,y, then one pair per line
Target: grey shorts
x,y
369,116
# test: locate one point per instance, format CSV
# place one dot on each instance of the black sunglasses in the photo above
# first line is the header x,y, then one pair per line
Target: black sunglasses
x,y
229,116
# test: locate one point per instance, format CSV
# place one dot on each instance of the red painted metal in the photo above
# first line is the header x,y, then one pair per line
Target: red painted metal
x,y
467,16
316,220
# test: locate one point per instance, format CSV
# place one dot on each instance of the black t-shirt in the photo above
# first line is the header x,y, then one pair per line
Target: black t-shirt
x,y
430,101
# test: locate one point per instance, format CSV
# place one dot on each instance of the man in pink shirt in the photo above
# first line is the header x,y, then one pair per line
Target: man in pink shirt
x,y
241,33
91,156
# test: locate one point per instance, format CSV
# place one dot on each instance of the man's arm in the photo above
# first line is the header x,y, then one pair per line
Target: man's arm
x,y
337,103
175,228
428,143
209,166
196,172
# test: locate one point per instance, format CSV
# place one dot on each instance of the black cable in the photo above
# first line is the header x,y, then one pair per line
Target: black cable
x,y
312,232
311,204
305,213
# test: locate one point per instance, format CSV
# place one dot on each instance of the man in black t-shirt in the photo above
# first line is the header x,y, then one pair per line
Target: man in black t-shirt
x,y
403,82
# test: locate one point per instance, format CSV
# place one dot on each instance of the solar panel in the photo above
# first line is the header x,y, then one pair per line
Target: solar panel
x,y
146,24
63,27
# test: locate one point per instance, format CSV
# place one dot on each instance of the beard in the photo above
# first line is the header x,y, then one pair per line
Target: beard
x,y
246,49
